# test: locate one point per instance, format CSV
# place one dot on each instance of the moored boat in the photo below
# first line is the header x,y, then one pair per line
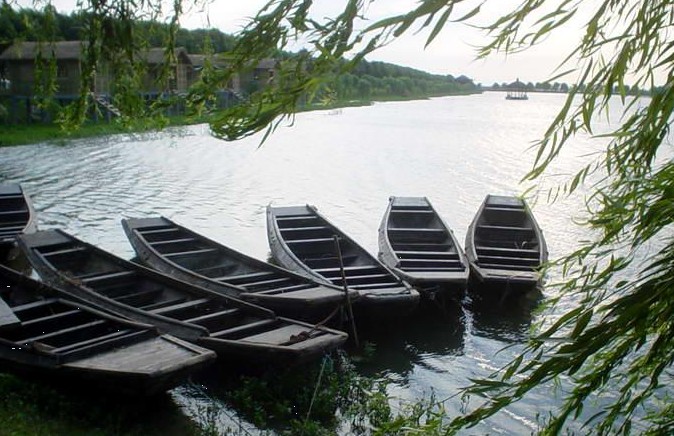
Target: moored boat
x,y
186,255
44,332
17,215
504,244
302,240
236,330
419,247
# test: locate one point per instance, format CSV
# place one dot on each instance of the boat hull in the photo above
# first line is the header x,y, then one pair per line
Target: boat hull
x,y
418,246
59,338
305,242
226,271
233,328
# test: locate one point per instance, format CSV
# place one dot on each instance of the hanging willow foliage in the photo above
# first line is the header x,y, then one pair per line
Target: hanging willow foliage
x,y
620,336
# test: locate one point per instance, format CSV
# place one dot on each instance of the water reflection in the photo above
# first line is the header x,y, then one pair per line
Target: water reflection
x,y
397,347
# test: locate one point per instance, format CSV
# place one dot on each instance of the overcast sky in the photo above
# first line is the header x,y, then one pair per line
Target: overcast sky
x,y
452,52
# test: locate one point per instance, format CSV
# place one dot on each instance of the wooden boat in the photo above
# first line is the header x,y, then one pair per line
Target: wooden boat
x,y
302,240
504,244
45,333
419,247
16,215
188,256
236,330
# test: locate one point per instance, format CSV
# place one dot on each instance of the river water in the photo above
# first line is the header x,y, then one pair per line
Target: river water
x,y
453,150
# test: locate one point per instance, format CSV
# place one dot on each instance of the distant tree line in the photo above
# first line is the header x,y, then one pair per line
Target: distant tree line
x,y
564,88
369,80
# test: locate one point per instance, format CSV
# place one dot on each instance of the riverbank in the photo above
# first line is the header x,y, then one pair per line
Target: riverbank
x,y
24,134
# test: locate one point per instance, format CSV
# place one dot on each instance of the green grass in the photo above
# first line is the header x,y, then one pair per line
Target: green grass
x,y
32,408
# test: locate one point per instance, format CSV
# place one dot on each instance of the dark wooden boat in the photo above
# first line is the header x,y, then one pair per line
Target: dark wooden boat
x,y
16,216
45,333
188,256
302,240
236,330
418,246
504,244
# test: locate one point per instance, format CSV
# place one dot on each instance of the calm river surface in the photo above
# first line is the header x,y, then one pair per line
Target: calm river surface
x,y
453,150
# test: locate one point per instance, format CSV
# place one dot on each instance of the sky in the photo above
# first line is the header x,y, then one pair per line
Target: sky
x,y
452,52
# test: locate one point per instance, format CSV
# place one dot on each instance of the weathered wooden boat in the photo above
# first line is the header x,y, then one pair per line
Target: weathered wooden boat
x,y
17,215
419,247
44,333
302,240
504,244
186,255
236,330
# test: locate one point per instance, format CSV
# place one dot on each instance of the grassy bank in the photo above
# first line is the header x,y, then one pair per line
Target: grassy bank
x,y
34,408
22,134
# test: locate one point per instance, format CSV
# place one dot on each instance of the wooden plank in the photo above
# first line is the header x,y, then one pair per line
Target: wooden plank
x,y
172,241
243,328
505,228
190,252
96,279
209,316
279,335
180,306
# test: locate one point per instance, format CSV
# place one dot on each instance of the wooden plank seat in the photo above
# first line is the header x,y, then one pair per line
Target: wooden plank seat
x,y
309,241
171,241
190,304
139,298
55,318
245,328
328,261
63,332
265,283
282,290
242,278
457,267
189,253
213,316
107,278
522,252
373,286
505,228
25,309
347,269
414,230
63,252
161,304
509,260
88,347
506,266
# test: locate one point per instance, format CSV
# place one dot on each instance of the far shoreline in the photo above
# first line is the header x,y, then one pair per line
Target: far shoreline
x,y
28,134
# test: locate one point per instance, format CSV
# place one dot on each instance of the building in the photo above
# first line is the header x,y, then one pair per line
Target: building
x,y
21,62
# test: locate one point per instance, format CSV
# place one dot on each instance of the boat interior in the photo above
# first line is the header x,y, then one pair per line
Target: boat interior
x,y
505,237
127,286
420,240
59,328
311,239
201,257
